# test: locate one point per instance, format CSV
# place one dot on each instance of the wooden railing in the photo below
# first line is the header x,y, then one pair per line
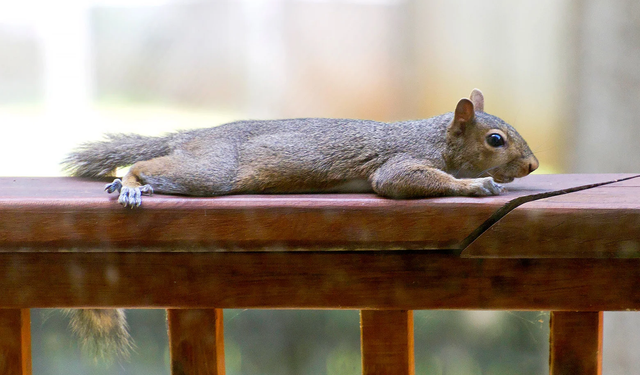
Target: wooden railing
x,y
564,243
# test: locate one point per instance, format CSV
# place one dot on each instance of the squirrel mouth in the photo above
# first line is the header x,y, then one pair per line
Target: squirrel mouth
x,y
502,179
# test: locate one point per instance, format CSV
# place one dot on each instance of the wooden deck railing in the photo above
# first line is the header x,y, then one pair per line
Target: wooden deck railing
x,y
569,244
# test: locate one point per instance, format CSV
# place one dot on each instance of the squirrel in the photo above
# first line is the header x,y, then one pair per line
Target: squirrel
x,y
466,152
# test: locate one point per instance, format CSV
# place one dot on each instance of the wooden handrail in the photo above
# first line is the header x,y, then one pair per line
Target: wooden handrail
x,y
540,246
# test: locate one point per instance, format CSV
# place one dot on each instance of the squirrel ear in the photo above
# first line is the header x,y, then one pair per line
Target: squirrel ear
x,y
463,115
477,99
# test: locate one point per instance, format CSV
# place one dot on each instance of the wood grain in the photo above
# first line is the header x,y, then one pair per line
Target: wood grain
x,y
351,280
602,222
45,214
196,341
387,342
65,243
575,343
15,341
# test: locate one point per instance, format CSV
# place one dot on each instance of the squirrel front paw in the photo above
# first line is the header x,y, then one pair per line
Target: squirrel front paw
x,y
129,196
480,187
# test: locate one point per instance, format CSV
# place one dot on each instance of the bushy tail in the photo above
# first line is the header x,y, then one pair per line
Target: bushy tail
x,y
100,159
103,333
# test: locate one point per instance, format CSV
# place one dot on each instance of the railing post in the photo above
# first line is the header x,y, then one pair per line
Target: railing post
x,y
196,341
15,341
575,343
387,342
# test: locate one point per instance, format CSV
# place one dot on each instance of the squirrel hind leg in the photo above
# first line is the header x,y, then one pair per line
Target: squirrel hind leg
x,y
134,184
182,175
175,174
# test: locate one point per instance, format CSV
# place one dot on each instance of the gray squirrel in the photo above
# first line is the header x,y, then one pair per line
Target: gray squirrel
x,y
466,152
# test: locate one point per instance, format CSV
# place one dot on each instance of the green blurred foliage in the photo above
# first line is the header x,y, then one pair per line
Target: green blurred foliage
x,y
312,342
291,342
474,342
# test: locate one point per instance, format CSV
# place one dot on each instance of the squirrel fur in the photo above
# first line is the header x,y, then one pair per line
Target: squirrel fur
x,y
466,152
448,154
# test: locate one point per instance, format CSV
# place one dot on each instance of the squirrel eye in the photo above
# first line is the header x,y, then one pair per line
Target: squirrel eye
x,y
495,140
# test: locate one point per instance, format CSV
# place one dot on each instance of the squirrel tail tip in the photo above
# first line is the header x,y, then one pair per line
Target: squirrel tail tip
x,y
103,333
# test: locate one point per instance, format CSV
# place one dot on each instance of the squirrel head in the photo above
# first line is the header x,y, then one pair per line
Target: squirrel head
x,y
482,145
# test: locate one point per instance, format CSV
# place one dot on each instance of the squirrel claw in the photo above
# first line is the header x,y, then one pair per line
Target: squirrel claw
x,y
116,185
132,196
146,189
129,196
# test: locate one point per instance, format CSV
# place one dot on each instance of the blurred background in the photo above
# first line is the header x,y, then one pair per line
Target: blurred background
x,y
563,72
